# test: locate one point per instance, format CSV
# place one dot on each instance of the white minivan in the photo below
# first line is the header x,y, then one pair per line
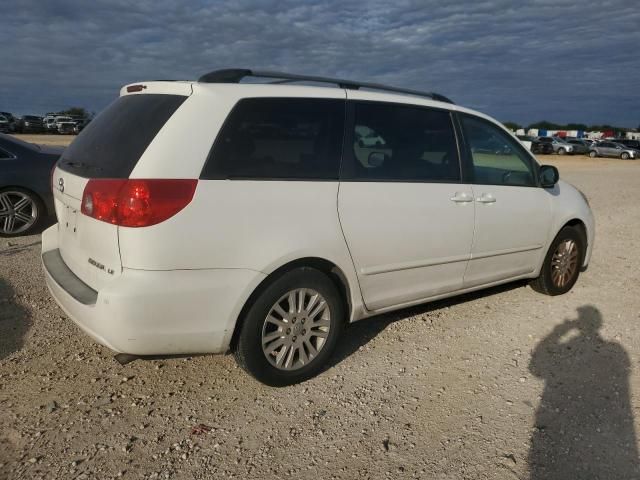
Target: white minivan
x,y
220,215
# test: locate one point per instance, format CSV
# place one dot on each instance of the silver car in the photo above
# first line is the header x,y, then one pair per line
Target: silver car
x,y
580,146
560,146
613,149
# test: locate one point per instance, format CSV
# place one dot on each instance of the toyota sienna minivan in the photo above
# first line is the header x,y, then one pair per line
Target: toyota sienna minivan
x,y
222,215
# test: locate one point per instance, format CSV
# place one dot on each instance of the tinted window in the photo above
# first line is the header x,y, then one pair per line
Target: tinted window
x,y
279,138
498,159
110,146
401,143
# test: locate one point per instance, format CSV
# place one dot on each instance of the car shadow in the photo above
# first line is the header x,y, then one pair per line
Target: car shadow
x,y
15,321
584,425
360,333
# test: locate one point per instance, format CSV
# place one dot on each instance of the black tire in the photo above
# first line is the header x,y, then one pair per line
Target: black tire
x,y
593,154
41,213
624,156
248,350
544,283
561,151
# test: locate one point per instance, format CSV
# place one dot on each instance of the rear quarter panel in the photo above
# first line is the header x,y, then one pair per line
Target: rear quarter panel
x,y
255,225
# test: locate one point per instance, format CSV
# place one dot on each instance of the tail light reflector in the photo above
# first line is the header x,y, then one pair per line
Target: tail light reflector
x,y
136,202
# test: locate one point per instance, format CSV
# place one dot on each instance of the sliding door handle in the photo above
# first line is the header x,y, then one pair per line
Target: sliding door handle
x,y
462,197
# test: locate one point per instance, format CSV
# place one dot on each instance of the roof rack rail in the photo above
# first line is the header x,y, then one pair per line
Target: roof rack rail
x,y
235,75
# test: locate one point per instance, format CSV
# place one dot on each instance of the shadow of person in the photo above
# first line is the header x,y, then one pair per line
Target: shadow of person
x,y
14,321
584,423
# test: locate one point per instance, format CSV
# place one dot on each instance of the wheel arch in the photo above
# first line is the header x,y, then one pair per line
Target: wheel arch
x,y
333,272
581,227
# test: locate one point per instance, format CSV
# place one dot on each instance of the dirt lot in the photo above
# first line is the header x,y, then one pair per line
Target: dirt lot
x,y
505,384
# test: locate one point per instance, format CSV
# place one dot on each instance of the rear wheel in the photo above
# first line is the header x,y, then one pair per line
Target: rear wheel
x,y
624,156
291,329
20,212
562,263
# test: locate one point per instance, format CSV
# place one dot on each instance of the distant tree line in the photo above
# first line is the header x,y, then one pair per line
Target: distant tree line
x,y
545,125
77,112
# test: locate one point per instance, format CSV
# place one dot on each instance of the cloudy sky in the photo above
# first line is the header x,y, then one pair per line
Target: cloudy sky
x,y
524,61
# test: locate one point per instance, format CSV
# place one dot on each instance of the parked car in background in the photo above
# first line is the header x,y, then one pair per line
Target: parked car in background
x,y
50,124
629,143
4,124
559,146
30,124
535,145
464,206
65,125
25,185
13,121
613,149
580,146
80,125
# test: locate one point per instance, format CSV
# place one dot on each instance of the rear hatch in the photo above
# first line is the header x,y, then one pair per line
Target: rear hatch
x,y
108,148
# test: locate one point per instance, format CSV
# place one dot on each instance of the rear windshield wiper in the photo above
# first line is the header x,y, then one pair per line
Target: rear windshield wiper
x,y
71,164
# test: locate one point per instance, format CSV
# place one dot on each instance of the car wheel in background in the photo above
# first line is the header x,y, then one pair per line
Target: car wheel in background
x,y
593,154
624,156
561,151
562,263
290,330
20,212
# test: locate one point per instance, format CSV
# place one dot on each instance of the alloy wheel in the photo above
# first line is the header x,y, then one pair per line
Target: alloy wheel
x,y
296,329
18,212
564,263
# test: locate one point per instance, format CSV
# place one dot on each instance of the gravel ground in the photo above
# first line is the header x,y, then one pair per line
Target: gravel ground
x,y
504,383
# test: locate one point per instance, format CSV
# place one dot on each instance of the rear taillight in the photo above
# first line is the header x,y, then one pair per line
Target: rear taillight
x,y
136,202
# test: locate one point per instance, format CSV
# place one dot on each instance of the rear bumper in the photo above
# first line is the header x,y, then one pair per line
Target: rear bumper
x,y
153,312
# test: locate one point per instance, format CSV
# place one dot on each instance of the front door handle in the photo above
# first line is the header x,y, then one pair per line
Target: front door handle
x,y
462,197
486,198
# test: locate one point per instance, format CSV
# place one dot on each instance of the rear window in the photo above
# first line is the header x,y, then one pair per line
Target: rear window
x,y
279,138
110,146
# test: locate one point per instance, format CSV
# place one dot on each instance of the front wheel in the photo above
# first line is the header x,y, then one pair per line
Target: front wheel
x,y
562,263
624,156
593,154
291,329
561,151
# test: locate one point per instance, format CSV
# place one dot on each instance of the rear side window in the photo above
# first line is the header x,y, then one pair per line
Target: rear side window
x,y
391,142
279,138
111,145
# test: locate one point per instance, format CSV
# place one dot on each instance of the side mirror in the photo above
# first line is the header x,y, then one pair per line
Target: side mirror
x,y
549,176
376,159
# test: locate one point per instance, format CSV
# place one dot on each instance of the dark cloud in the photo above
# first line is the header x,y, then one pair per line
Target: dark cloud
x,y
556,60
